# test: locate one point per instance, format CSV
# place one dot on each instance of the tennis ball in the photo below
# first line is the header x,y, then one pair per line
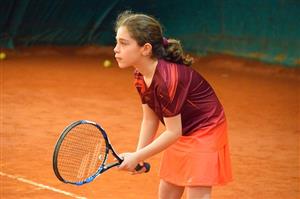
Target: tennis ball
x,y
107,63
2,55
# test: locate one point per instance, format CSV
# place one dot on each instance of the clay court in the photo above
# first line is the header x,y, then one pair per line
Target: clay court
x,y
44,89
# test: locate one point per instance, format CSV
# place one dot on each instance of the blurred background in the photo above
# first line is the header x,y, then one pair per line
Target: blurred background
x,y
57,66
265,30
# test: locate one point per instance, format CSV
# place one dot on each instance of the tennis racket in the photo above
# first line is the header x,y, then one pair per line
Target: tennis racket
x,y
82,151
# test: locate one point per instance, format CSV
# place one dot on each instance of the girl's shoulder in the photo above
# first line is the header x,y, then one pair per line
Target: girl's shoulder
x,y
168,66
172,71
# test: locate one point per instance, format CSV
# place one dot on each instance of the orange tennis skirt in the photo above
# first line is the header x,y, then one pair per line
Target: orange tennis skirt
x,y
199,159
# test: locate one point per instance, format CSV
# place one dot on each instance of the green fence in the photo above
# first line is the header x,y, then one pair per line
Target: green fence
x,y
268,30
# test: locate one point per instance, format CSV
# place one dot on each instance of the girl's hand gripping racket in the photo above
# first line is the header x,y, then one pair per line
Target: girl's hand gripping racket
x,y
81,153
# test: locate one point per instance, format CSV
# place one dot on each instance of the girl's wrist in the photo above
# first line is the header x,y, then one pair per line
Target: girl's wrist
x,y
138,156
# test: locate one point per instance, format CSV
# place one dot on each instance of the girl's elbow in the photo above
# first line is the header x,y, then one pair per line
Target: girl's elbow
x,y
178,134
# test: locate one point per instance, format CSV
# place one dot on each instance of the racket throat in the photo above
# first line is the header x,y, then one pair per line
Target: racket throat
x,y
110,165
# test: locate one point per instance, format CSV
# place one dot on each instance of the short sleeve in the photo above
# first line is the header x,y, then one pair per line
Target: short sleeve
x,y
139,85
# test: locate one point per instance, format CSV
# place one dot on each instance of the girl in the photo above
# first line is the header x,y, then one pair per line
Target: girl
x,y
195,145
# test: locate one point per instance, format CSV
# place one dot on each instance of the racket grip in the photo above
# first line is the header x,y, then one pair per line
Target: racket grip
x,y
146,165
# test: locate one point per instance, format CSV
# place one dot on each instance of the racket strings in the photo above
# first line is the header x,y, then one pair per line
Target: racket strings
x,y
81,153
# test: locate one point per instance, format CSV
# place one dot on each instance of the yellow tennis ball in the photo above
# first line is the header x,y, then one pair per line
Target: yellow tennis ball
x,y
2,55
107,63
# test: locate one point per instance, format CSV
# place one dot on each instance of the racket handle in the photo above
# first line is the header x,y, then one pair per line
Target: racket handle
x,y
146,165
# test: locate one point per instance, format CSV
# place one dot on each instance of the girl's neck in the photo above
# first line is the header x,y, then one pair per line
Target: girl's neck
x,y
147,67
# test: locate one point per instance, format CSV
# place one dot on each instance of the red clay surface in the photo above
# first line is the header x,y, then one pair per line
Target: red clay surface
x,y
44,89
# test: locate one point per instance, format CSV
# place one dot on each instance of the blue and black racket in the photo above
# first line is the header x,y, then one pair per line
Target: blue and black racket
x,y
81,153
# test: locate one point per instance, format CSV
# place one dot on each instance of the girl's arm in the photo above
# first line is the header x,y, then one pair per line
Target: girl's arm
x,y
148,128
169,136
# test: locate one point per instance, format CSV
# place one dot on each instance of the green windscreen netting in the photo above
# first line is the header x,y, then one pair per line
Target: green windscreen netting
x,y
267,30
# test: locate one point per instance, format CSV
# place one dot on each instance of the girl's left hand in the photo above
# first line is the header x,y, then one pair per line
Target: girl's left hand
x,y
129,163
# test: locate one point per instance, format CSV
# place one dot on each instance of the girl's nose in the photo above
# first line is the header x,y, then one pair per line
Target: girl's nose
x,y
116,49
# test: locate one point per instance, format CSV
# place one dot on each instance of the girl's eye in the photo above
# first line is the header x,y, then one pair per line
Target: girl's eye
x,y
121,42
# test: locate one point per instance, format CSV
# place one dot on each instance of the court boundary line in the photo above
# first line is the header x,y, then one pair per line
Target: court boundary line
x,y
42,186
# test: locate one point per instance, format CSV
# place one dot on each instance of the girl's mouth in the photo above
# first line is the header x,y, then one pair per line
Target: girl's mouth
x,y
118,58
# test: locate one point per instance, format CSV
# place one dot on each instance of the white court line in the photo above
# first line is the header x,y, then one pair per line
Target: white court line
x,y
41,186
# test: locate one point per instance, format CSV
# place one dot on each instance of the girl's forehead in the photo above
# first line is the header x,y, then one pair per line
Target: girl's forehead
x,y
123,33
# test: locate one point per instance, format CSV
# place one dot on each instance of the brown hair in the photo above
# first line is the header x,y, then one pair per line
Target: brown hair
x,y
146,29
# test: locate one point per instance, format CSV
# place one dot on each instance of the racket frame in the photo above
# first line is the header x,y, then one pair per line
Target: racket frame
x,y
102,168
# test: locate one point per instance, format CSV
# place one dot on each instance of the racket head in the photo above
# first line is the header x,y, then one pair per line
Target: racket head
x,y
80,152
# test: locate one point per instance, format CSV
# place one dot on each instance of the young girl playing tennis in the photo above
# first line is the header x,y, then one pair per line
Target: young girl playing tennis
x,y
195,145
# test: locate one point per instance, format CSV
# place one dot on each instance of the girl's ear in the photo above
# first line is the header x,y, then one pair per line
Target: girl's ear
x,y
147,49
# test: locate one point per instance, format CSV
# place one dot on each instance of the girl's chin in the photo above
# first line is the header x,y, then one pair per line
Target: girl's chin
x,y
123,65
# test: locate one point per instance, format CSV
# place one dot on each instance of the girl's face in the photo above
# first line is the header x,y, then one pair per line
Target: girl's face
x,y
127,52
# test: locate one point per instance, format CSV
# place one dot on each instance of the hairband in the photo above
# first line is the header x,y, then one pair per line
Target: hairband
x,y
165,42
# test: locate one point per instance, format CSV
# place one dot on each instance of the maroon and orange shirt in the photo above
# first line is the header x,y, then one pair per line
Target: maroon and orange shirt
x,y
179,89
